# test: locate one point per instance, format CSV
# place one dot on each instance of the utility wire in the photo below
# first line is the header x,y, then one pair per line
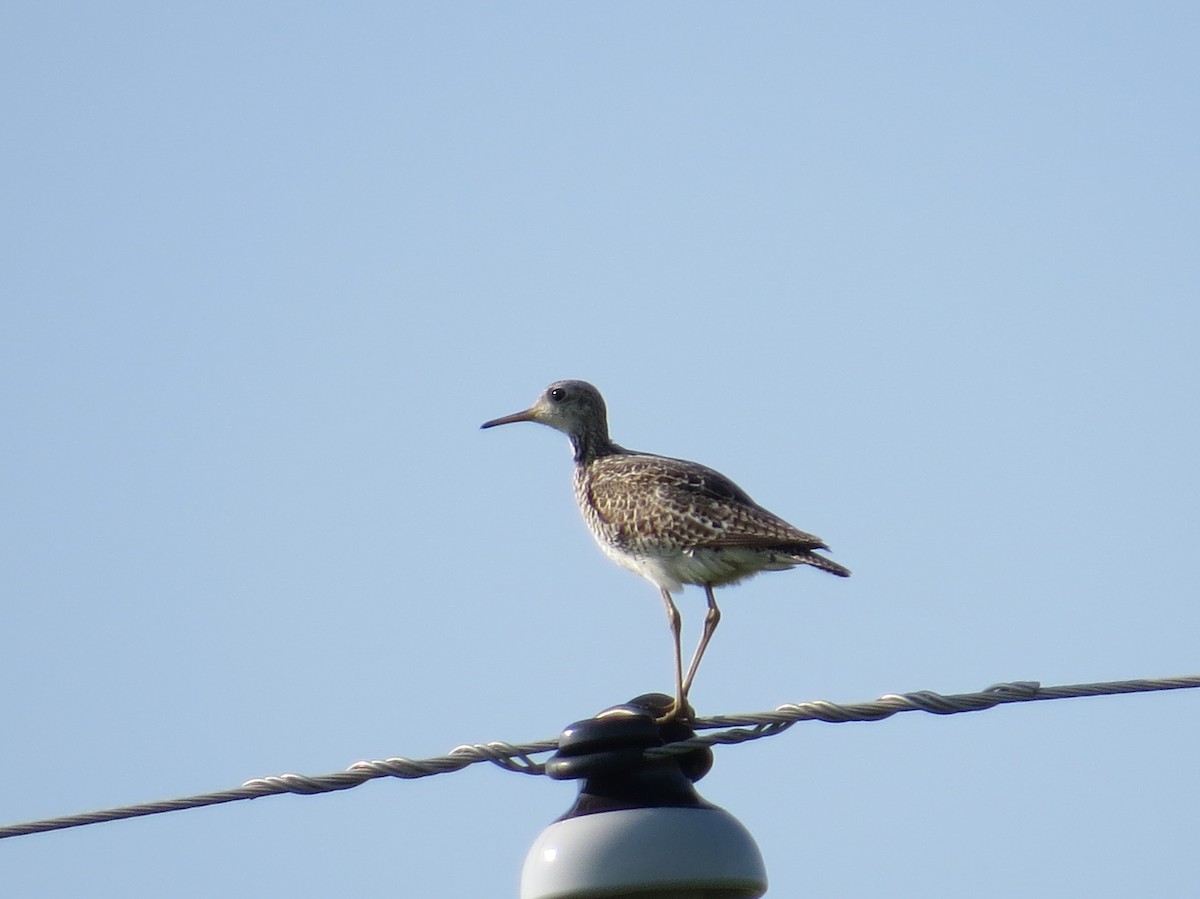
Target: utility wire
x,y
516,757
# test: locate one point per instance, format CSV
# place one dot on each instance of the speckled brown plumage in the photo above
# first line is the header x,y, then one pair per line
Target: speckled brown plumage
x,y
648,505
673,522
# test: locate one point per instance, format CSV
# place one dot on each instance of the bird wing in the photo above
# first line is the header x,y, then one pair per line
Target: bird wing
x,y
648,497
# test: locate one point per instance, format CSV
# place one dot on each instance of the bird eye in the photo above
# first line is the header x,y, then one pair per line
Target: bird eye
x,y
557,393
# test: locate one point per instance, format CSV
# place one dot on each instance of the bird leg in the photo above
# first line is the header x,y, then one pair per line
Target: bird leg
x,y
673,621
711,619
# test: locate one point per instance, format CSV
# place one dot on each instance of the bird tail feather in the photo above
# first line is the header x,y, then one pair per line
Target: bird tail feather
x,y
819,561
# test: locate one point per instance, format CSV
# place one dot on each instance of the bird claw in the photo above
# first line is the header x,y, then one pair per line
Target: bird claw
x,y
680,711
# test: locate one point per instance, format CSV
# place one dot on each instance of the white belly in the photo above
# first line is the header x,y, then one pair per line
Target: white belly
x,y
698,566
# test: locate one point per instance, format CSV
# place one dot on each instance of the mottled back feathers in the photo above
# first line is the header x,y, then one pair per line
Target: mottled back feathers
x,y
646,504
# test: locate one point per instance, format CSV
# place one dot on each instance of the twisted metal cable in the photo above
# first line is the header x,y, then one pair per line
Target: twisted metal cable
x,y
506,755
755,725
516,757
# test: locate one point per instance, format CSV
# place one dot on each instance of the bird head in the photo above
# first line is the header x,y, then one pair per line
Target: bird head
x,y
573,407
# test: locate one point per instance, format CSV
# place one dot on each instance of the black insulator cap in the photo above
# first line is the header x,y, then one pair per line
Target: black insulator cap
x,y
608,754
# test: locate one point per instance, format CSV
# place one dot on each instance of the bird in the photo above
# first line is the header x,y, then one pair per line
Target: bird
x,y
671,521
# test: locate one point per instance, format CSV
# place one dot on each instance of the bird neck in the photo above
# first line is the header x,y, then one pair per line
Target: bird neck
x,y
589,445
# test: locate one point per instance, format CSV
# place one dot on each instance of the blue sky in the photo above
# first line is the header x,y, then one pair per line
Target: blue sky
x,y
921,278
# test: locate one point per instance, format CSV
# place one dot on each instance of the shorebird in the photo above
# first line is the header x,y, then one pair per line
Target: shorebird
x,y
671,521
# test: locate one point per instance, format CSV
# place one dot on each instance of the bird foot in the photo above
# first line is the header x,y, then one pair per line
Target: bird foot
x,y
680,710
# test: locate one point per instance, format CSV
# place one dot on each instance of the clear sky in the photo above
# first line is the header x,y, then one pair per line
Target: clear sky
x,y
922,278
